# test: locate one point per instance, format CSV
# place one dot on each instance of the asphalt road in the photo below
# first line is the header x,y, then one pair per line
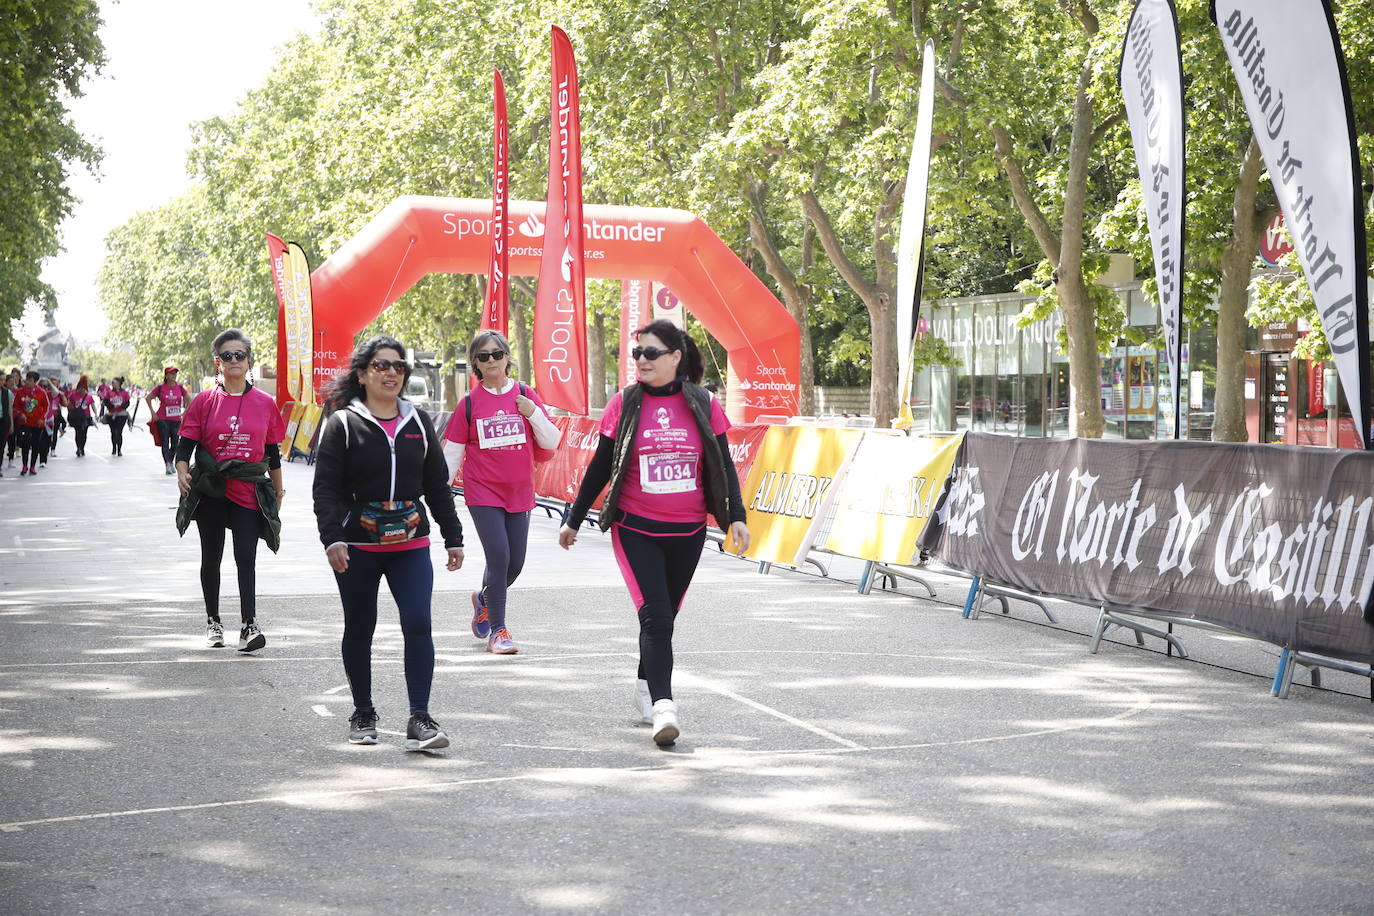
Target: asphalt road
x,y
840,752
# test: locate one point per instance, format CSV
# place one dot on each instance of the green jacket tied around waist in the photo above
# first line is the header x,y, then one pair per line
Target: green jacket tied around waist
x,y
208,479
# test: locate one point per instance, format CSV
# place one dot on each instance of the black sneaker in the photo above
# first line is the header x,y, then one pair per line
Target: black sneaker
x,y
251,638
424,734
362,727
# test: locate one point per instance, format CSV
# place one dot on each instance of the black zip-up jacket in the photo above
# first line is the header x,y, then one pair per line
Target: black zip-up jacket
x,y
355,463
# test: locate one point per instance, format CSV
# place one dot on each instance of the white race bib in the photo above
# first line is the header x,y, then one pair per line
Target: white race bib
x,y
501,430
668,472
172,410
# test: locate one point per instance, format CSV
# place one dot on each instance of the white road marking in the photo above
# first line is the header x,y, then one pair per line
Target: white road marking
x,y
334,690
776,713
322,710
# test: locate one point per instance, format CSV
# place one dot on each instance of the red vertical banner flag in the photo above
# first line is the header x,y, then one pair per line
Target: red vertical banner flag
x,y
560,305
634,314
288,376
496,308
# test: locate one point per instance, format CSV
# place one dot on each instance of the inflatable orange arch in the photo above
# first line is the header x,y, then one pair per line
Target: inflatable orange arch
x,y
417,236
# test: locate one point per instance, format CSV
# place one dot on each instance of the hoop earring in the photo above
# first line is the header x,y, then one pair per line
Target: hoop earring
x,y
219,376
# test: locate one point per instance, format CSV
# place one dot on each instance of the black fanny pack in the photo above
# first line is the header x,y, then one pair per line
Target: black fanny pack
x,y
390,522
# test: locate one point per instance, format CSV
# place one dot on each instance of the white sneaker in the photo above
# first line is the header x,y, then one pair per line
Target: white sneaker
x,y
251,638
214,633
665,723
644,703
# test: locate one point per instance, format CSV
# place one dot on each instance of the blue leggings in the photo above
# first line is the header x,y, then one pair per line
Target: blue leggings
x,y
410,576
504,536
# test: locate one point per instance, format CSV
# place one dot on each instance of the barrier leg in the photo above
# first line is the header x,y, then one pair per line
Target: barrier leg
x,y
866,580
974,589
1099,631
764,567
1285,659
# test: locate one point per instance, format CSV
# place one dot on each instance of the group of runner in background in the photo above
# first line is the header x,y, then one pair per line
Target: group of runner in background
x,y
36,412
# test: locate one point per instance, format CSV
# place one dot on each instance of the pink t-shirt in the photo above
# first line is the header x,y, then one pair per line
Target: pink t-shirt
x,y
663,480
171,401
81,400
414,544
234,426
498,461
117,401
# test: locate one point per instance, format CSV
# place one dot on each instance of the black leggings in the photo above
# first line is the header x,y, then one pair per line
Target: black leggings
x,y
168,429
504,536
658,570
117,434
81,425
213,517
33,445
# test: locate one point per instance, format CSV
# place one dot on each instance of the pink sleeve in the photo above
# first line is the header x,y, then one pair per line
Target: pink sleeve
x,y
719,422
610,420
192,422
276,429
457,430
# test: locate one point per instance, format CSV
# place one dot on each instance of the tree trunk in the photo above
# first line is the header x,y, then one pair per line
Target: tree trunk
x,y
1080,317
877,297
1232,299
1085,390
596,361
520,331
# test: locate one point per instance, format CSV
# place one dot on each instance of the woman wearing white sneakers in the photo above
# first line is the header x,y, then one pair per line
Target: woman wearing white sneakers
x,y
492,436
663,451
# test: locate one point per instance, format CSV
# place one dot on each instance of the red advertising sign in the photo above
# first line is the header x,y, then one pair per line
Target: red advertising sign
x,y
560,307
1275,243
634,314
1316,389
496,308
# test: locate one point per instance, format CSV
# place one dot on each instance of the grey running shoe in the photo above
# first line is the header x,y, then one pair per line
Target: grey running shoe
x,y
214,633
362,727
251,638
424,734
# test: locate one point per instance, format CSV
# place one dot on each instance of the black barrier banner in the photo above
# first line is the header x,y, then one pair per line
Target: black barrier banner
x,y
1276,542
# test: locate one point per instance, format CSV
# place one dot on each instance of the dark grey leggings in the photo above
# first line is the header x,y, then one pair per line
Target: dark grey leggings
x,y
504,536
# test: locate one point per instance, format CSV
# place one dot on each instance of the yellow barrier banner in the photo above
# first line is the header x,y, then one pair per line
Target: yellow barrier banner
x,y
297,411
788,490
310,418
888,493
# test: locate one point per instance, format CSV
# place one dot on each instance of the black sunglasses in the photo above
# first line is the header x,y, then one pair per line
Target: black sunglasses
x,y
649,353
233,356
386,365
492,354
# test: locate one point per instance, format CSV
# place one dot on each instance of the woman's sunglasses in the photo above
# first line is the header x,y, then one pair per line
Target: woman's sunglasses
x,y
491,354
649,353
233,356
386,365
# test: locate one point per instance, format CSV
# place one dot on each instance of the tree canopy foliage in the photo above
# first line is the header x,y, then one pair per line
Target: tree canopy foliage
x,y
784,124
48,48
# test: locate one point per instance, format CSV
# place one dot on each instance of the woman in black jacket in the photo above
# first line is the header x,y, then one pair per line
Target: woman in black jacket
x,y
377,455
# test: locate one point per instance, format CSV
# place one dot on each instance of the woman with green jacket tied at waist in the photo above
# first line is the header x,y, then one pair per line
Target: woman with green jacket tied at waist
x,y
663,451
378,455
234,431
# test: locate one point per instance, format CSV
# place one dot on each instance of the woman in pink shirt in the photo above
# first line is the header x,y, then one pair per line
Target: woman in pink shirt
x,y
234,432
116,413
171,405
491,436
663,451
80,413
